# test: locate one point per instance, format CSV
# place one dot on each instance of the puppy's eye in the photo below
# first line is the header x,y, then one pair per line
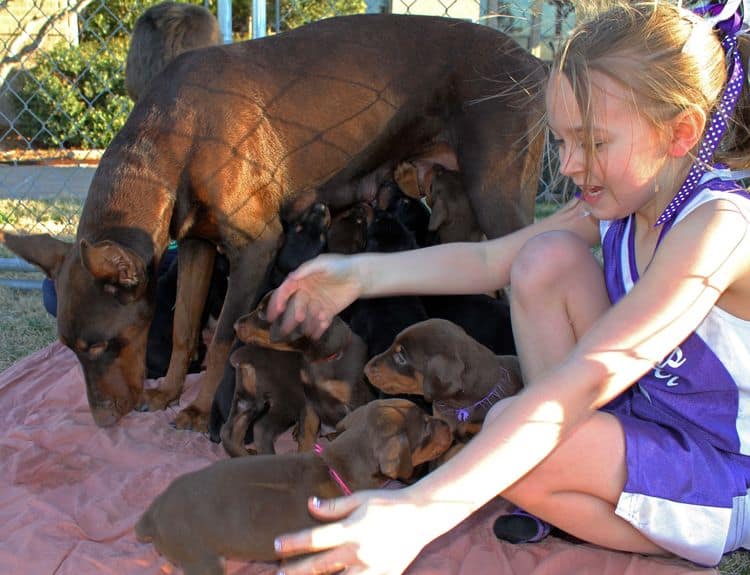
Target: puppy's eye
x,y
399,358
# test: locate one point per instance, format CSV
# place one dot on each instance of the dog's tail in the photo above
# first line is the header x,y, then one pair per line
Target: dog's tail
x,y
145,529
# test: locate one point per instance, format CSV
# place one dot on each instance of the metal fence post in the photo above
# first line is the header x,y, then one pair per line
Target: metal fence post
x,y
259,18
224,16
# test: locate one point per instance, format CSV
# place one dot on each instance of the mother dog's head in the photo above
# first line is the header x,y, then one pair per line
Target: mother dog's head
x,y
104,308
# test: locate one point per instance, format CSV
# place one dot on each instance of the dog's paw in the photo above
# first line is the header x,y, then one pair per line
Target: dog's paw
x,y
407,178
192,419
156,399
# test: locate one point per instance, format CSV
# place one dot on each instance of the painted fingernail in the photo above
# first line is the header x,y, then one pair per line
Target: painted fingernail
x,y
316,502
280,572
277,546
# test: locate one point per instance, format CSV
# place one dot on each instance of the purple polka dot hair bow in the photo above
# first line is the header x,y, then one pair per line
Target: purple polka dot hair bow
x,y
727,17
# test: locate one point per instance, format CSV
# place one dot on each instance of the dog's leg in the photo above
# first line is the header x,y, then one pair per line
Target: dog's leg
x,y
195,260
248,268
309,428
243,412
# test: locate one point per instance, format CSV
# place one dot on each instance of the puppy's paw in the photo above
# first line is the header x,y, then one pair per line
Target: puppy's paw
x,y
192,419
407,178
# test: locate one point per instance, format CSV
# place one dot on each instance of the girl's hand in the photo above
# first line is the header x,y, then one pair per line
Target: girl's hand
x,y
376,533
314,293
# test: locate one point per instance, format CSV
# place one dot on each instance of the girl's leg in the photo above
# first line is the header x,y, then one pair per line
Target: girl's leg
x,y
577,487
557,291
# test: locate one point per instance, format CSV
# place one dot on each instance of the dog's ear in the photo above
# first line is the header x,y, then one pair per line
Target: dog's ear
x,y
352,419
239,356
253,329
246,378
42,250
340,390
407,178
394,457
442,374
244,327
113,264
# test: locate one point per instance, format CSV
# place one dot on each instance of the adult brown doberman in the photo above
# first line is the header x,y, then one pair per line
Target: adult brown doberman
x,y
227,135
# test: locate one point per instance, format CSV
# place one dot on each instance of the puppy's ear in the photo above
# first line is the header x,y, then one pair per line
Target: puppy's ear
x,y
340,390
442,374
246,379
394,457
353,419
239,356
407,178
253,329
244,327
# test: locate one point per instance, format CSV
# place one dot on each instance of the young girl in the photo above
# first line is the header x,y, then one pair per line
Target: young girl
x,y
633,428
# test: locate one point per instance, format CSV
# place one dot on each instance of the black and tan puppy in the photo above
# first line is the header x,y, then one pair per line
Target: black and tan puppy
x,y
268,399
332,368
379,320
348,231
440,361
235,508
304,237
162,33
411,212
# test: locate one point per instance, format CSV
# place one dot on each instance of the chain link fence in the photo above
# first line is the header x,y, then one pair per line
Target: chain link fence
x,y
62,93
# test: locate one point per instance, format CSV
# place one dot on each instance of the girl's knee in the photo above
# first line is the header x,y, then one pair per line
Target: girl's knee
x,y
547,259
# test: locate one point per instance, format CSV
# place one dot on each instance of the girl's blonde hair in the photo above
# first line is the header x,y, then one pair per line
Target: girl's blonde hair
x,y
669,59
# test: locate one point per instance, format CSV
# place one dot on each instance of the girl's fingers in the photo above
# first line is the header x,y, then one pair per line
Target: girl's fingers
x,y
332,561
291,285
295,312
325,536
332,509
310,540
279,299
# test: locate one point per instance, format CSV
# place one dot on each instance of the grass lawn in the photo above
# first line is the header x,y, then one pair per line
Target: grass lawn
x,y
25,326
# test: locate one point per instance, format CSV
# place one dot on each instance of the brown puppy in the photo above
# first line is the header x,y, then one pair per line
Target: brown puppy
x,y
268,398
235,508
440,361
332,368
162,33
226,135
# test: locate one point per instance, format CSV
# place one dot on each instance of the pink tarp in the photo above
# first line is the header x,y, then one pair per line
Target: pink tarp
x,y
71,492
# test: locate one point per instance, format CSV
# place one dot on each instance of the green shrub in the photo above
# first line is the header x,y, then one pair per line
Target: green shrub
x,y
74,96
